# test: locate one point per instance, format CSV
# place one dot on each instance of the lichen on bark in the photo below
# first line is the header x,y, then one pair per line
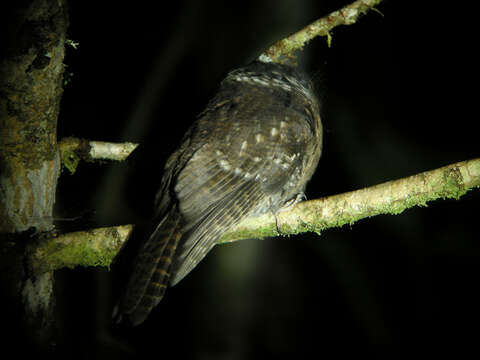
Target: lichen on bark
x,y
31,80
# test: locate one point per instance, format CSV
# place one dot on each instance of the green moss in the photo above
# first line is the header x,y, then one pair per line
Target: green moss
x,y
70,160
329,39
56,255
453,186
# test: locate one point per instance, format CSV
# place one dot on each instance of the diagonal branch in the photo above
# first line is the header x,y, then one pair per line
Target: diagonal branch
x,y
100,246
392,197
347,15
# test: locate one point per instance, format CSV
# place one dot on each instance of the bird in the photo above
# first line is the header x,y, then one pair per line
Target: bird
x,y
251,151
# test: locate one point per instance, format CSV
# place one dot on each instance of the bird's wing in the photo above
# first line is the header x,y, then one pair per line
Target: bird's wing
x,y
240,170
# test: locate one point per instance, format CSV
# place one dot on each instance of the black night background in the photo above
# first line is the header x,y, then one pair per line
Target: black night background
x,y
399,97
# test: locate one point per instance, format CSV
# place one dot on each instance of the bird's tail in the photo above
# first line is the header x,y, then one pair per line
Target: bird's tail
x,y
152,267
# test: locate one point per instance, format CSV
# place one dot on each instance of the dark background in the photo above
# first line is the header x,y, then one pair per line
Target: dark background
x,y
399,97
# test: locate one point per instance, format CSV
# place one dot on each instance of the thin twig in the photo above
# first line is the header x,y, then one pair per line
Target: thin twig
x,y
348,15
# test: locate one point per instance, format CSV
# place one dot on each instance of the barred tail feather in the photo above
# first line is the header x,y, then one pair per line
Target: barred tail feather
x,y
151,272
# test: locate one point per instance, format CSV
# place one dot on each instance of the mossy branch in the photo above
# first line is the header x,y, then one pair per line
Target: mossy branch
x,y
393,197
347,15
98,247
94,247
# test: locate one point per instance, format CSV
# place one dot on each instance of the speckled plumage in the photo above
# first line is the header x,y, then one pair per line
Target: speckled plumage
x,y
252,149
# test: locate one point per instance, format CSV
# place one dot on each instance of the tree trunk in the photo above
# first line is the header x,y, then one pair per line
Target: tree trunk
x,y
31,82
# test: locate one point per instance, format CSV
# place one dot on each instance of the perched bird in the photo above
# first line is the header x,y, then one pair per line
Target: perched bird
x,y
251,151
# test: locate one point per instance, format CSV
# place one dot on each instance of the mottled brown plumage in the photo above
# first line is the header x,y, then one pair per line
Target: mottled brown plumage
x,y
252,149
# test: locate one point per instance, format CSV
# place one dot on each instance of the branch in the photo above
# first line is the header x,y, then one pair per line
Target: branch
x,y
98,247
393,197
348,15
95,247
72,150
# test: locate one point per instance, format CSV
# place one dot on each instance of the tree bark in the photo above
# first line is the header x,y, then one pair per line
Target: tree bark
x,y
31,85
